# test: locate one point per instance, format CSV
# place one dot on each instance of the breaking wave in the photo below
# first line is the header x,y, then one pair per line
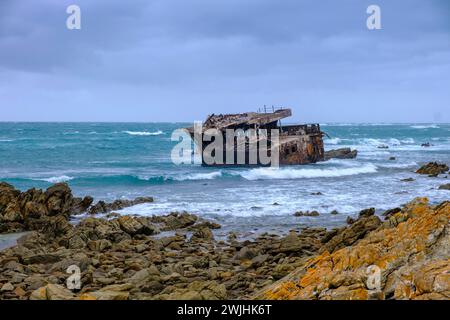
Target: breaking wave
x,y
55,179
144,133
200,176
285,173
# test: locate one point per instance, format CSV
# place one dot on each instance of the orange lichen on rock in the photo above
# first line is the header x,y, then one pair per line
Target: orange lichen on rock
x,y
404,260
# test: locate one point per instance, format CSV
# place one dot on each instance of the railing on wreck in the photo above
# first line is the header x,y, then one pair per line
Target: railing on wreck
x,y
293,130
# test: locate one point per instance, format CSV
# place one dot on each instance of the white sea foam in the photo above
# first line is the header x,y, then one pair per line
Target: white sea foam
x,y
332,141
6,140
394,142
288,173
408,141
399,165
144,133
55,179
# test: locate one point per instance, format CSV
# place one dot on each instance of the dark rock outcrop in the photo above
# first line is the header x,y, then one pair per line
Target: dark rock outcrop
x,y
342,153
433,168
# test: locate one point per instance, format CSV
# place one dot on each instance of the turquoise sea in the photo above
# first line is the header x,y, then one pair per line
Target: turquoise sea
x,y
126,160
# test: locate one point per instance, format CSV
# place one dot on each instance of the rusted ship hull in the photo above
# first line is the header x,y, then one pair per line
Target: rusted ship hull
x,y
298,144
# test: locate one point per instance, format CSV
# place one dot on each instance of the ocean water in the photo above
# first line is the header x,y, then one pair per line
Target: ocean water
x,y
126,160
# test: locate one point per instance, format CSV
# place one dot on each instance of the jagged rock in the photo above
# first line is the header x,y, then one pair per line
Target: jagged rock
x,y
179,221
58,199
104,207
407,261
134,226
445,187
367,212
433,169
81,205
342,153
99,245
356,231
388,213
202,234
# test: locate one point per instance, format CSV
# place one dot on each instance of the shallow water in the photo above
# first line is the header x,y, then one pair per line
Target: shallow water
x,y
114,160
10,240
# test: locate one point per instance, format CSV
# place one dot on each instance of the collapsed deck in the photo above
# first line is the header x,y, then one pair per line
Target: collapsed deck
x,y
297,144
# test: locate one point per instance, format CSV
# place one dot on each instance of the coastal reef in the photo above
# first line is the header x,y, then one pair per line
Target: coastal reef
x,y
180,256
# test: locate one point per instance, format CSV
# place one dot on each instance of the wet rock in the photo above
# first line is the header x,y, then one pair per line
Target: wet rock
x,y
383,146
445,187
367,212
407,180
426,144
104,207
334,212
316,193
433,168
343,153
392,158
313,213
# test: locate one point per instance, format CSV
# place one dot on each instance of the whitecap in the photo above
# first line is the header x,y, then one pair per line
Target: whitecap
x,y
288,173
144,133
429,126
55,179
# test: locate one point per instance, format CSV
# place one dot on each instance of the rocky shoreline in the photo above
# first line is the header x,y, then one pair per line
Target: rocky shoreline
x,y
177,257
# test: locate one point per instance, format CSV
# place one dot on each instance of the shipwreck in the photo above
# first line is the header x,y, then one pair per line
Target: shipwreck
x,y
295,144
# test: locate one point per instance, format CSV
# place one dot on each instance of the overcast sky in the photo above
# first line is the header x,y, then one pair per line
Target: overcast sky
x,y
179,60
